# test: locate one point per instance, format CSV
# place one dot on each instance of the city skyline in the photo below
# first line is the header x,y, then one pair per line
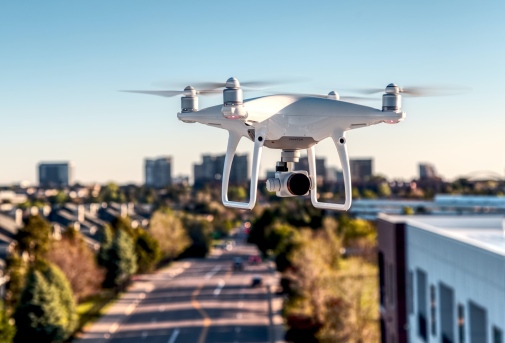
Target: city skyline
x,y
63,64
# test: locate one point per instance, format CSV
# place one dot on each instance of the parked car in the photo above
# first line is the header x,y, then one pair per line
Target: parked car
x,y
256,281
238,264
254,259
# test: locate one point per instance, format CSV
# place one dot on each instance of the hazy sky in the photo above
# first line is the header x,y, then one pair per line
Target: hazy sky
x,y
63,62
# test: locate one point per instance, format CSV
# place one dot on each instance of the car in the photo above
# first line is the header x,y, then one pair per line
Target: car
x,y
256,281
254,259
238,264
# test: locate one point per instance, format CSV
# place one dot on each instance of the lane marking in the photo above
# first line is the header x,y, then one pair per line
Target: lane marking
x,y
113,328
161,308
219,287
174,335
240,304
212,272
206,320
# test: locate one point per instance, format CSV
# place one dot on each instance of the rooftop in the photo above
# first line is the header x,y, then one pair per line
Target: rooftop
x,y
483,231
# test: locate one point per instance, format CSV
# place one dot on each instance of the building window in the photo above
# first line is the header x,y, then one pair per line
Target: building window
x,y
382,279
477,316
433,310
410,292
446,301
461,323
422,302
497,335
392,285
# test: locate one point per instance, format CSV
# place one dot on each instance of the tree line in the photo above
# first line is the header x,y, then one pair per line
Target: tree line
x,y
49,274
330,296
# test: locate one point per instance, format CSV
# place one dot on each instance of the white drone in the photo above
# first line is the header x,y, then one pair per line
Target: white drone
x,y
289,122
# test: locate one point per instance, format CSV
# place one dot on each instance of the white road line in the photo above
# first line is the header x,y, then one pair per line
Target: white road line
x,y
212,272
240,304
219,287
113,328
161,308
173,337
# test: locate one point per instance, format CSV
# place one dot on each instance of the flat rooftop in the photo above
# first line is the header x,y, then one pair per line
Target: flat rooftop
x,y
483,231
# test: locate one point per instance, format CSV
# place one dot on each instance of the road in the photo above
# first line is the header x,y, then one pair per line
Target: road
x,y
199,300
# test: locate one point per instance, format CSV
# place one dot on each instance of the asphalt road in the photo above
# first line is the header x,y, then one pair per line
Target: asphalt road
x,y
196,301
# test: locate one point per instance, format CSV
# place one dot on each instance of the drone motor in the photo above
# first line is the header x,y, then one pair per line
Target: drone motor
x,y
233,100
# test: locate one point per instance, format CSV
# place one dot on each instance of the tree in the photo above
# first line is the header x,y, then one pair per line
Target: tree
x,y
35,237
166,228
147,250
199,231
16,269
78,263
120,259
46,312
7,330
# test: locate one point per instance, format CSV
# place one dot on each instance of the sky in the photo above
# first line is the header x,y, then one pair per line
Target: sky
x,y
62,64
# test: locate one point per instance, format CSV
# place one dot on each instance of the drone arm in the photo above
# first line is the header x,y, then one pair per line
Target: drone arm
x,y
233,141
340,142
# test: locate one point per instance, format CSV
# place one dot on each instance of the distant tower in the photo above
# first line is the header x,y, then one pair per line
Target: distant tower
x,y
427,171
361,169
56,174
158,172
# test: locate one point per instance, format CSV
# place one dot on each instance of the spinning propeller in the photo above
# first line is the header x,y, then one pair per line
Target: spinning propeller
x,y
417,91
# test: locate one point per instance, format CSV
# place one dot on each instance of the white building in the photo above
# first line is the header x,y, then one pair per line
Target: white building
x,y
442,278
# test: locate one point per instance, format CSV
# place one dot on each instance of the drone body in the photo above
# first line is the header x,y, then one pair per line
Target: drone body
x,y
290,123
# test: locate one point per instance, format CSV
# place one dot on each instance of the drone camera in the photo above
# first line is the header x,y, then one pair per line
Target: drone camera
x,y
288,184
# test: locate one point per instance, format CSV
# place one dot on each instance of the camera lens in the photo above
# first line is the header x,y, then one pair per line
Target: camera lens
x,y
298,184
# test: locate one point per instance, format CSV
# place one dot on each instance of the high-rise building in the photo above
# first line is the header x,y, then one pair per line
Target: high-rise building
x,y
56,174
158,172
211,169
361,169
427,171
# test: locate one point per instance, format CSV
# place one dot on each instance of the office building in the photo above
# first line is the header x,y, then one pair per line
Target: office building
x,y
427,171
56,174
211,169
442,278
361,169
158,172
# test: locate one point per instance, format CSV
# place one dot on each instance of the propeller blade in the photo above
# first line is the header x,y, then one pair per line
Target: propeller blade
x,y
420,91
167,94
432,91
255,84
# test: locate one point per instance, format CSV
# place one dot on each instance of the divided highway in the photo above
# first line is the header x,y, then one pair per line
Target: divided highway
x,y
198,300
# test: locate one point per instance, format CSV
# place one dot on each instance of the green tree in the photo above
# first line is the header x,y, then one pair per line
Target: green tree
x,y
35,237
147,250
200,232
16,269
120,259
46,312
7,330
167,228
384,190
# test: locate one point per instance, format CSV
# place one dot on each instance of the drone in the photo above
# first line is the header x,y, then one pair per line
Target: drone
x,y
290,123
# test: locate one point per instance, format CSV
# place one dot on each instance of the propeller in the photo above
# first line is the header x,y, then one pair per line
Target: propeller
x,y
170,93
253,84
420,91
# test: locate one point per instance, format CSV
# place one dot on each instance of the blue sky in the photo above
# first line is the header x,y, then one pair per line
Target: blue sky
x,y
63,62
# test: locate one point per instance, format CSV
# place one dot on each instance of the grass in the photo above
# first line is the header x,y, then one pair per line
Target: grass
x,y
92,308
